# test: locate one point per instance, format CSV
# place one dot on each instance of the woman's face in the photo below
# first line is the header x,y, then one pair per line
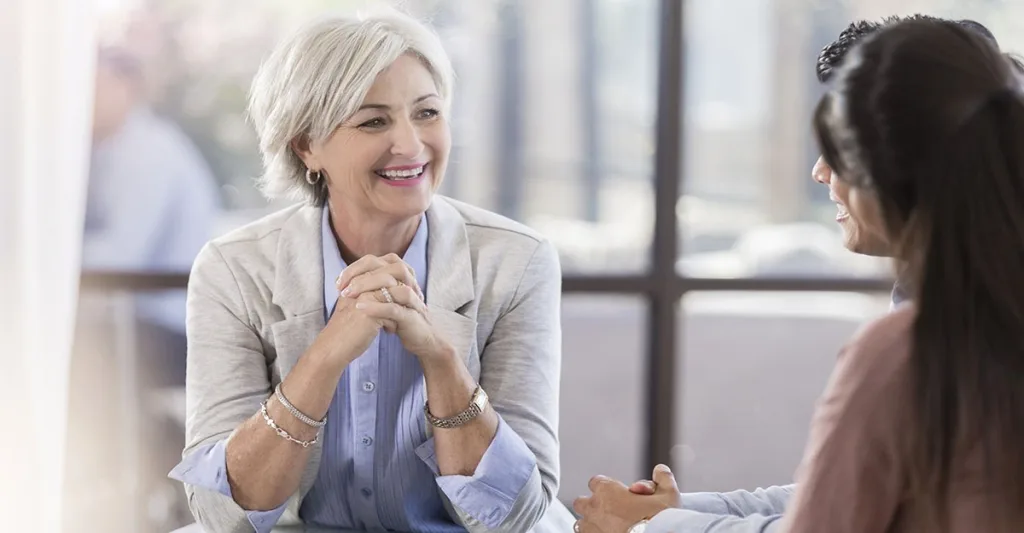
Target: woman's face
x,y
391,155
858,213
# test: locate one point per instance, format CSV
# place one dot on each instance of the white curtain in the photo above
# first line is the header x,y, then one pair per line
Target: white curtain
x,y
47,57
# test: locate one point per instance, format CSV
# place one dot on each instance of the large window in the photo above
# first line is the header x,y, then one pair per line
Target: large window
x,y
707,286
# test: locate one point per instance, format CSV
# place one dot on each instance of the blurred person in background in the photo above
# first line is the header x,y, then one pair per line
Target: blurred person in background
x,y
152,205
377,356
761,511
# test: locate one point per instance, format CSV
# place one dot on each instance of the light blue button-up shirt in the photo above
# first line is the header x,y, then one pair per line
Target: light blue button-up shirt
x,y
378,469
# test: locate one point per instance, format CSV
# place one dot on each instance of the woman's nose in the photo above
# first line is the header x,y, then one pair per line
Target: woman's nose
x,y
406,141
821,172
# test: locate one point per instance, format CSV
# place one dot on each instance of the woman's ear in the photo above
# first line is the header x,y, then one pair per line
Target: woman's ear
x,y
303,148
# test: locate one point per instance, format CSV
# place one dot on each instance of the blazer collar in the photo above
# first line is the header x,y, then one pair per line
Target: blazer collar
x,y
449,265
299,281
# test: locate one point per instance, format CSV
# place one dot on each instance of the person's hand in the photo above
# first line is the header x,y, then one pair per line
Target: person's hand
x,y
614,507
644,487
349,331
406,314
371,273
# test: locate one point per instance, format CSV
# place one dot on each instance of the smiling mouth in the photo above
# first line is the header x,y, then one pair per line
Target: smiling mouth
x,y
404,174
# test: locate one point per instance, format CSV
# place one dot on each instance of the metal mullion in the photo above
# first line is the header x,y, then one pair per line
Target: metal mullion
x,y
662,333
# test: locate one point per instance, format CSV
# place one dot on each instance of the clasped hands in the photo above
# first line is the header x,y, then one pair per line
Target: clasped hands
x,y
369,283
615,508
611,508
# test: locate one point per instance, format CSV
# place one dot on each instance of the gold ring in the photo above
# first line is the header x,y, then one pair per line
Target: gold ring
x,y
387,295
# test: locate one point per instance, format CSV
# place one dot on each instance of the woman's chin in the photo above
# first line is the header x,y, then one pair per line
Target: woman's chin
x,y
407,207
851,237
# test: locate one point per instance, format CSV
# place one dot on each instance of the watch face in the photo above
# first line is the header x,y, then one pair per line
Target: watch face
x,y
481,399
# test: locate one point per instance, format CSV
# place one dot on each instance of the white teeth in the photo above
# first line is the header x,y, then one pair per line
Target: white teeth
x,y
401,174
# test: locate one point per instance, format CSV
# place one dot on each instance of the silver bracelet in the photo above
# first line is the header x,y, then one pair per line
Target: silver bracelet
x,y
296,413
281,432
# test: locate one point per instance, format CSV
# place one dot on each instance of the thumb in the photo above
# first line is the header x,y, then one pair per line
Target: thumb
x,y
645,488
664,479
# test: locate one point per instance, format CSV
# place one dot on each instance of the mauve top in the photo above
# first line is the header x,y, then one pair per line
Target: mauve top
x,y
853,477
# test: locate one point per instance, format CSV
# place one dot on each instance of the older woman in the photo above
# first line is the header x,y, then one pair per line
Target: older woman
x,y
376,357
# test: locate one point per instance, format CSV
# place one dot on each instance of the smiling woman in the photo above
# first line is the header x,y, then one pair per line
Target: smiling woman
x,y
378,356
384,162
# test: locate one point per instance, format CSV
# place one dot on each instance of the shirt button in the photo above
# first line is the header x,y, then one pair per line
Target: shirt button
x,y
369,386
367,441
366,493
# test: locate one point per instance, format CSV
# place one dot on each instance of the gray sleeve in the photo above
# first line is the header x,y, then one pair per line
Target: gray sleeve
x,y
740,503
739,511
687,521
520,370
226,379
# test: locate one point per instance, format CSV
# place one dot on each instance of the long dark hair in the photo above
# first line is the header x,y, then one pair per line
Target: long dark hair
x,y
930,117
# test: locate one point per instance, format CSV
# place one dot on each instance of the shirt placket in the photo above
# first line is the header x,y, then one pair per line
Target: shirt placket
x,y
364,403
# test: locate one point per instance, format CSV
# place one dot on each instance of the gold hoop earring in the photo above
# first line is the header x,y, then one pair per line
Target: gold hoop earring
x,y
313,177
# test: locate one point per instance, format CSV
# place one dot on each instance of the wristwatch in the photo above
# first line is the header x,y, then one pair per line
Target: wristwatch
x,y
477,404
639,527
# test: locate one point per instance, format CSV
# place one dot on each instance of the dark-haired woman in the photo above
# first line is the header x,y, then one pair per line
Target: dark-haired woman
x,y
922,425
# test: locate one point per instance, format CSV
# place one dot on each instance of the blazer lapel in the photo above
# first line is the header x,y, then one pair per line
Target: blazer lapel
x,y
450,280
299,292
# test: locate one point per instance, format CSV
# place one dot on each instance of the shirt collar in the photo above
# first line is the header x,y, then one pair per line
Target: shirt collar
x,y
415,256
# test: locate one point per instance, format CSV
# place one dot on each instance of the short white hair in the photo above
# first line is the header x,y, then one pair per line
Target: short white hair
x,y
316,79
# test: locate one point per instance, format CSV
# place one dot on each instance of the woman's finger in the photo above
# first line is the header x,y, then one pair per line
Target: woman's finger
x,y
384,311
644,487
364,265
376,279
404,273
407,296
581,505
370,282
389,326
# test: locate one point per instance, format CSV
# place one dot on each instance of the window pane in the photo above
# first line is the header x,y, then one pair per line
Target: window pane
x,y
551,125
602,422
750,207
753,365
126,416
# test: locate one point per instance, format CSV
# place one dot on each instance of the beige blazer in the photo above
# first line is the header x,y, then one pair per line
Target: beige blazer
x,y
255,304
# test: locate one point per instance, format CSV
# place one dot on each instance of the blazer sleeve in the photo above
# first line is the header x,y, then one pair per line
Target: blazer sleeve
x,y
226,378
520,370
